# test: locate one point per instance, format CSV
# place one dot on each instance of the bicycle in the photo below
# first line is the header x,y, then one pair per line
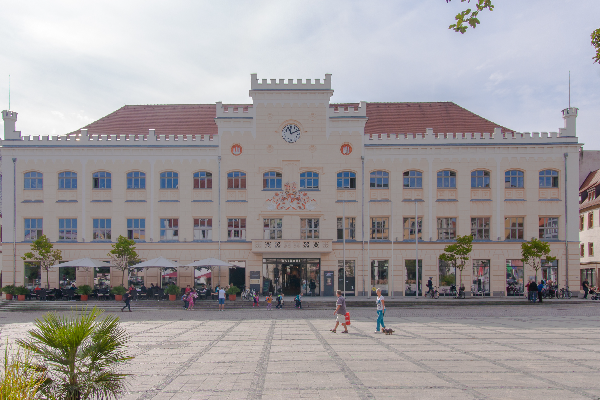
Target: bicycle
x,y
565,293
433,294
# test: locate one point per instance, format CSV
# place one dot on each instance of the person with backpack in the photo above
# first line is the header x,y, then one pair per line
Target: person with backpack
x,y
127,300
279,301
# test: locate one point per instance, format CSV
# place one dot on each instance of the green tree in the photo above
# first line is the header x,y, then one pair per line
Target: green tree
x,y
123,255
457,254
532,253
80,354
43,252
468,17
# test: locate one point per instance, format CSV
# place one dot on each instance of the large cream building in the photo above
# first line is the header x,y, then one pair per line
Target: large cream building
x,y
292,187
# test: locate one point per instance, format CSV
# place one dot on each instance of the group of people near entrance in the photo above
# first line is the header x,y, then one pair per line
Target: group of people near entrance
x,y
534,290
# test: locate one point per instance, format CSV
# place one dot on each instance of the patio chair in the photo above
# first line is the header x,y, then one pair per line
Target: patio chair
x,y
42,295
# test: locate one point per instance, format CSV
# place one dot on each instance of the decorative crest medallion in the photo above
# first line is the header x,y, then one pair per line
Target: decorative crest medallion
x,y
236,149
346,149
291,199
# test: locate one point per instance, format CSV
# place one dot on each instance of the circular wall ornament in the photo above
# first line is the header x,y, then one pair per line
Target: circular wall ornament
x,y
290,133
312,148
236,149
270,148
346,149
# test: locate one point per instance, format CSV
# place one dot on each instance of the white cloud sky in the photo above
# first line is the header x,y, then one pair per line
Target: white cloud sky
x,y
72,62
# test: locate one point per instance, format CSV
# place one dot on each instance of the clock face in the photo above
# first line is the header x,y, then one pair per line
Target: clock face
x,y
290,133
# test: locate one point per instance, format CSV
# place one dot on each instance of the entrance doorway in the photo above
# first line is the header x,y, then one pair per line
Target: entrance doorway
x,y
237,277
292,276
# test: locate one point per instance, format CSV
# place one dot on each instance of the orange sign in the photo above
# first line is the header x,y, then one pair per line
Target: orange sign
x,y
346,149
236,149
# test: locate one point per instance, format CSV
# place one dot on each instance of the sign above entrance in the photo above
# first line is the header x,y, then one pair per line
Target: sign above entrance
x,y
346,149
236,149
291,199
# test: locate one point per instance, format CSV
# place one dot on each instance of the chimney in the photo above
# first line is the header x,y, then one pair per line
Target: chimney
x,y
570,116
10,119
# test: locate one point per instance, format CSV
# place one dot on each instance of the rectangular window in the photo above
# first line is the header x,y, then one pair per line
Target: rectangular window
x,y
236,229
590,249
380,228
480,228
513,228
203,180
548,228
349,228
309,228
169,229
446,228
202,228
590,220
101,229
409,228
581,222
33,228
67,229
582,250
136,229
273,228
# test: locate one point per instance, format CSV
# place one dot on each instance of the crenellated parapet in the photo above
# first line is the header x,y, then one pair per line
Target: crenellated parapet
x,y
235,111
298,84
348,110
450,139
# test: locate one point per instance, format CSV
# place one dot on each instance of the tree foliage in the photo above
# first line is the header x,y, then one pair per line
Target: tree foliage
x,y
20,378
80,355
457,254
467,18
532,253
123,255
43,252
596,44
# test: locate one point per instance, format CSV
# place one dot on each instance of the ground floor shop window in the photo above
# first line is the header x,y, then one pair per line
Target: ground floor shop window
x,y
346,277
514,278
67,276
379,276
33,275
588,274
481,278
101,277
447,278
292,276
168,276
411,281
136,277
550,272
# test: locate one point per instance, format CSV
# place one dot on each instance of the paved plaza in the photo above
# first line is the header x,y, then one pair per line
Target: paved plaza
x,y
546,351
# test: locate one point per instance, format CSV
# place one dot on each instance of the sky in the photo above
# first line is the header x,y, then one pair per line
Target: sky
x,y
73,62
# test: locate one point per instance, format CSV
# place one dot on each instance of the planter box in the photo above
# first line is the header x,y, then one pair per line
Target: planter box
x,y
84,297
232,297
172,297
118,297
9,296
21,297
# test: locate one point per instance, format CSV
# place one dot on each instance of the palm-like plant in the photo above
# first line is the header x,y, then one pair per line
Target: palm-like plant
x,y
81,354
20,379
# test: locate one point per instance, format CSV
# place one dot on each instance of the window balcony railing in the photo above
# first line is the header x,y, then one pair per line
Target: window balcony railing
x,y
291,245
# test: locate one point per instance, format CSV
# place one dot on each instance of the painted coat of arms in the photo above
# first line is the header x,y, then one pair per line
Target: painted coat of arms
x,y
291,199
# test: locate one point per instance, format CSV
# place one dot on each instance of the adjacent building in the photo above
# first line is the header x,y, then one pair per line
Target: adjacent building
x,y
301,194
589,227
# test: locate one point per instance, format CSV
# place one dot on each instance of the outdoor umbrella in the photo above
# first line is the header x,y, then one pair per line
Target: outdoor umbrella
x,y
209,263
84,263
159,262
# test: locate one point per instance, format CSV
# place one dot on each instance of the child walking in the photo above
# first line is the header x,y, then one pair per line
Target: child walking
x,y
269,300
256,298
191,298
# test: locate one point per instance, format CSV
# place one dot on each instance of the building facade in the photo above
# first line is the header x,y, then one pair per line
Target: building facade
x,y
589,227
301,194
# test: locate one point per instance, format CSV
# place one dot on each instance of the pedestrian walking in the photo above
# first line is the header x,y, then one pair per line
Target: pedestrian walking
x,y
269,301
380,311
586,288
127,300
221,299
192,295
298,300
430,285
340,312
279,301
255,300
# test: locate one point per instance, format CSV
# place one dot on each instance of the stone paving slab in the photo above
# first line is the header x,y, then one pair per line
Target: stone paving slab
x,y
450,353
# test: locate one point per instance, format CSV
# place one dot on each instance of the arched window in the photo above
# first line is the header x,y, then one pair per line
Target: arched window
x,y
446,179
136,180
380,180
202,180
346,180
169,180
480,179
236,180
272,180
413,179
101,180
67,180
34,180
548,178
514,179
309,180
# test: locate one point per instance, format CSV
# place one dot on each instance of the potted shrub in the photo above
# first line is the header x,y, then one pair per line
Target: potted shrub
x,y
118,291
172,291
9,290
84,291
21,292
232,292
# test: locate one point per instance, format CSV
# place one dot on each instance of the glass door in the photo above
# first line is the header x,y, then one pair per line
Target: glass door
x,y
481,278
412,283
347,288
447,277
379,276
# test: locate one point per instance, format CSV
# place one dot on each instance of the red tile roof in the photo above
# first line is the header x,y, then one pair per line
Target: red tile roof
x,y
591,181
443,117
165,119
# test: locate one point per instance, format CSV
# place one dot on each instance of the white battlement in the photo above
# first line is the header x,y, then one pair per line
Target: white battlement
x,y
344,110
497,137
235,111
280,84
